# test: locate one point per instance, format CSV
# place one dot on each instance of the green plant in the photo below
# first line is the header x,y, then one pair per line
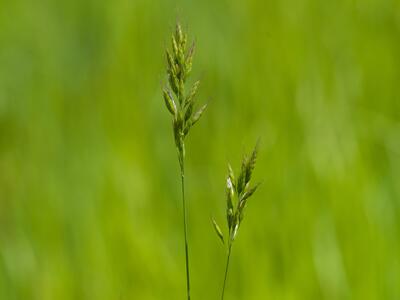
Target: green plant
x,y
181,105
237,194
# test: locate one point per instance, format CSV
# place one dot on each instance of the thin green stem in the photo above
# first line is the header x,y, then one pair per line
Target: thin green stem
x,y
226,270
181,158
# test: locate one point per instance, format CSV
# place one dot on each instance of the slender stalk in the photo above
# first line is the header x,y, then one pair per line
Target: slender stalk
x,y
181,159
226,270
181,105
243,191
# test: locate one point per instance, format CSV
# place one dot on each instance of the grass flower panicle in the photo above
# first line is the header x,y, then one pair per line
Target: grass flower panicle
x,y
181,105
238,192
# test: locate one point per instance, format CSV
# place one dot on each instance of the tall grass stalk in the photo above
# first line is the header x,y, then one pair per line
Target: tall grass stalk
x,y
238,191
181,106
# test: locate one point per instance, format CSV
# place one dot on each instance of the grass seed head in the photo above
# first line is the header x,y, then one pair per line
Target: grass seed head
x,y
181,106
241,191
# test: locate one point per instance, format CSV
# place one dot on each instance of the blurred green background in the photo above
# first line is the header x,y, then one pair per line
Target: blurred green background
x,y
90,203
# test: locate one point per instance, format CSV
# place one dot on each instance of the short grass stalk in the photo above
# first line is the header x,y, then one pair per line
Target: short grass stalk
x,y
238,192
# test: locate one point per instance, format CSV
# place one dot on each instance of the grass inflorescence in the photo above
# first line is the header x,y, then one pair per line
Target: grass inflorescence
x,y
181,104
238,192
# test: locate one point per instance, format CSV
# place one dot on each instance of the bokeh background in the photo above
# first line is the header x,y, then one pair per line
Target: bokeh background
x,y
90,203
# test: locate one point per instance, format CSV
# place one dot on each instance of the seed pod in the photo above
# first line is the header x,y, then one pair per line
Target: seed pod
x,y
173,83
181,90
242,177
170,60
174,46
229,217
184,41
179,121
190,53
181,60
231,176
189,111
218,231
178,33
198,114
234,231
251,163
189,59
250,192
193,91
229,193
169,102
